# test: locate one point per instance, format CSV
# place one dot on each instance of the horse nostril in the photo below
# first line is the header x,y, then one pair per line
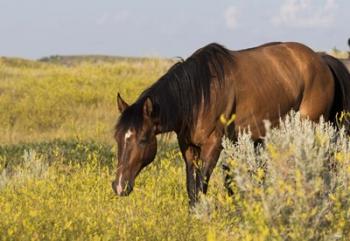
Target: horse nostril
x,y
120,190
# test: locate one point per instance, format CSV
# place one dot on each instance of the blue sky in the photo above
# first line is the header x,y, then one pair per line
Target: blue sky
x,y
37,28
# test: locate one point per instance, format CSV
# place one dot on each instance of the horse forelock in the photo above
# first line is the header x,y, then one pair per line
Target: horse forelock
x,y
131,118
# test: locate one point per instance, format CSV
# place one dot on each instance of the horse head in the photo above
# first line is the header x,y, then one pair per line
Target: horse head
x,y
135,135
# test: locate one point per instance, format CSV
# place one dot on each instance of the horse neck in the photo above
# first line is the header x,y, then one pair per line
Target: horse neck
x,y
164,125
168,118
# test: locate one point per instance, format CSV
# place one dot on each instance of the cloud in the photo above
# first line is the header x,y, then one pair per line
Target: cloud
x,y
113,18
231,15
306,13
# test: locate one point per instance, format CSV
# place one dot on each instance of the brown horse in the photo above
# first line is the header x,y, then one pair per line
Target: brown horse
x,y
260,83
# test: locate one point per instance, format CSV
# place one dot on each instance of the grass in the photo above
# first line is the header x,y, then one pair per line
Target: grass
x,y
70,200
339,54
41,101
57,161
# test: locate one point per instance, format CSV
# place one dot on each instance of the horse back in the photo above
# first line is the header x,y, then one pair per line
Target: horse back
x,y
272,79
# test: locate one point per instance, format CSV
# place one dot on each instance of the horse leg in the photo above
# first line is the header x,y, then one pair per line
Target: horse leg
x,y
209,155
228,178
190,154
200,163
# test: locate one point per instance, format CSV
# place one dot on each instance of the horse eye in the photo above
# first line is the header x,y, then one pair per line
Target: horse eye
x,y
143,140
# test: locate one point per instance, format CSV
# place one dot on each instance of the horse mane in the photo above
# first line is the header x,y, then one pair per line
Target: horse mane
x,y
178,94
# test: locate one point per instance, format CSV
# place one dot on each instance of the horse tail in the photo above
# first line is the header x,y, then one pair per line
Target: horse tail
x,y
341,78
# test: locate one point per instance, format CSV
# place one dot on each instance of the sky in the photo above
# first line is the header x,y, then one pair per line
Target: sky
x,y
39,28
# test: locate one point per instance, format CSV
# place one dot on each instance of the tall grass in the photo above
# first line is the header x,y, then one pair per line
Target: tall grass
x,y
57,161
46,101
295,187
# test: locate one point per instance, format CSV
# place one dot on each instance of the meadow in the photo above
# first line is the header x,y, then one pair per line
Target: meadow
x,y
57,161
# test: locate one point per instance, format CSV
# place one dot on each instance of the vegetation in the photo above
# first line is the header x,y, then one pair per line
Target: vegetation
x,y
339,54
41,101
57,162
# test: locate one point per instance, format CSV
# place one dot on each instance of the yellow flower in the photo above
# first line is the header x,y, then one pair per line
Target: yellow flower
x,y
227,122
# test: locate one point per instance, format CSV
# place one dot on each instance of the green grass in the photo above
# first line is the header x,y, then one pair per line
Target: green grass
x,y
57,162
71,199
42,101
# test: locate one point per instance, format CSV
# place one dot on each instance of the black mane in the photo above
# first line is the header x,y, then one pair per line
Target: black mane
x,y
177,95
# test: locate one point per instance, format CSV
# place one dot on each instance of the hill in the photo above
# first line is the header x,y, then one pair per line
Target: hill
x,y
66,97
70,60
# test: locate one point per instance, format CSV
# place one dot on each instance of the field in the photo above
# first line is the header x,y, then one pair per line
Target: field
x,y
57,159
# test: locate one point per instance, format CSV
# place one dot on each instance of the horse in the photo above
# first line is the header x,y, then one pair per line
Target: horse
x,y
255,84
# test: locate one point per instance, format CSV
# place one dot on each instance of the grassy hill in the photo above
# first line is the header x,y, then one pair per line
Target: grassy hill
x,y
57,161
73,60
41,100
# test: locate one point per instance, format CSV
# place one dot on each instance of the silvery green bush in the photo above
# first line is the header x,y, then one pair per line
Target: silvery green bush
x,y
298,178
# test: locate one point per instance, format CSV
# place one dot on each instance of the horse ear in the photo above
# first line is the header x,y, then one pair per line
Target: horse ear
x,y
147,107
122,105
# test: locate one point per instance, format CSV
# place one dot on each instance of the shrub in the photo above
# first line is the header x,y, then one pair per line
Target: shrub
x,y
296,186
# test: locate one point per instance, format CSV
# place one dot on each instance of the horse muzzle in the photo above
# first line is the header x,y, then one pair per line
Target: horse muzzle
x,y
121,190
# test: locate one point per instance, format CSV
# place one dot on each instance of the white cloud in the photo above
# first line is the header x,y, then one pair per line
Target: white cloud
x,y
306,13
231,15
